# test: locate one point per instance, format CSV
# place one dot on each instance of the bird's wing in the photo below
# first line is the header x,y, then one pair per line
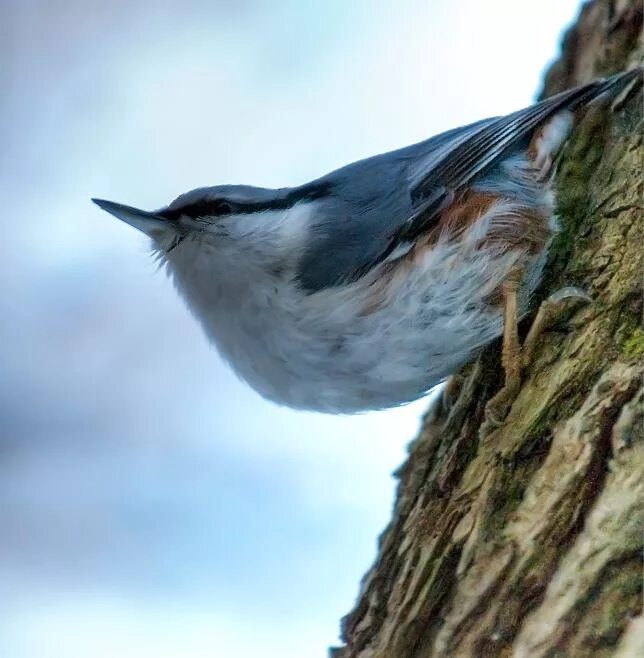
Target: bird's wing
x,y
469,157
440,167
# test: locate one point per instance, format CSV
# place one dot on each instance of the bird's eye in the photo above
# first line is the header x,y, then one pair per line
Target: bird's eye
x,y
199,209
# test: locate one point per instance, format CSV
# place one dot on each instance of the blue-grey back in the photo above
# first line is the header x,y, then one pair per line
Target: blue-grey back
x,y
373,203
367,204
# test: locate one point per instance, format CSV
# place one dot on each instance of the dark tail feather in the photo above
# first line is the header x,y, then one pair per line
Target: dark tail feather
x,y
483,148
613,85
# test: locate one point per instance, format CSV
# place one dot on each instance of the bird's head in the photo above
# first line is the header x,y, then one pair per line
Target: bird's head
x,y
229,231
204,215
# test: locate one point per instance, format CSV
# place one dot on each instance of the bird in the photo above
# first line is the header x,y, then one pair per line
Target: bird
x,y
367,287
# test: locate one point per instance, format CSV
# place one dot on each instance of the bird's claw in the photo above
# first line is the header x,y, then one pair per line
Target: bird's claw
x,y
498,407
557,306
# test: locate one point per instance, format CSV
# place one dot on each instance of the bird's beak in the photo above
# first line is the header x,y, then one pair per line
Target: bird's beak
x,y
150,223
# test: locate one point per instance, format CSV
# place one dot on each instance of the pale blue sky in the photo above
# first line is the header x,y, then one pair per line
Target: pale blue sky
x,y
151,504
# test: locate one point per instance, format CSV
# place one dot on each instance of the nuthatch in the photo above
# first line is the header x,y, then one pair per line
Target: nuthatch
x,y
365,288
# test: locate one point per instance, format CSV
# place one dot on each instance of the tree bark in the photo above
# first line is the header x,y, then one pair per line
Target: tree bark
x,y
528,542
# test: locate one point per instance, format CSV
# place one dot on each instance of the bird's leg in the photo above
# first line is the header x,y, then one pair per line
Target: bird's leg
x,y
497,408
551,310
515,358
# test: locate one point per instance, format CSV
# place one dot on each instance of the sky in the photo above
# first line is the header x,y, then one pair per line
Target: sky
x,y
150,503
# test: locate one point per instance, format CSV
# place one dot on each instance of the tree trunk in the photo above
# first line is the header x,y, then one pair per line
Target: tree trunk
x,y
528,542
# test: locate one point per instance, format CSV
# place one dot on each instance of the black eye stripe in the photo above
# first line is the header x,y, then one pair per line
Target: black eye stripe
x,y
215,208
221,207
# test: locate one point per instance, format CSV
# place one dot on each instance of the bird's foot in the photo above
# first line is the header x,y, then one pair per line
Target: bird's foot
x,y
497,407
558,306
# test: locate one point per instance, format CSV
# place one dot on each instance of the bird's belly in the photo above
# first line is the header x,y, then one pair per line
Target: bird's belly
x,y
390,337
388,340
399,330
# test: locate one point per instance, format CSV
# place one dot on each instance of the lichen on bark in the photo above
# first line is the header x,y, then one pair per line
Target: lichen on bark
x,y
528,542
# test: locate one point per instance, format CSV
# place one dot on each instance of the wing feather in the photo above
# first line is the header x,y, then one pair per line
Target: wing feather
x,y
472,156
379,203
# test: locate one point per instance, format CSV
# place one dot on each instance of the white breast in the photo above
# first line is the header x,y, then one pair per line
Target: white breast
x,y
372,344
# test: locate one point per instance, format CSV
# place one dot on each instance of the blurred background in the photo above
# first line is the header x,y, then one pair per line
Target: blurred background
x,y
151,505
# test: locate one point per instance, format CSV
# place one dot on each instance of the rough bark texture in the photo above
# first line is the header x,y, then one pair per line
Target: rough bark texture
x,y
528,542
